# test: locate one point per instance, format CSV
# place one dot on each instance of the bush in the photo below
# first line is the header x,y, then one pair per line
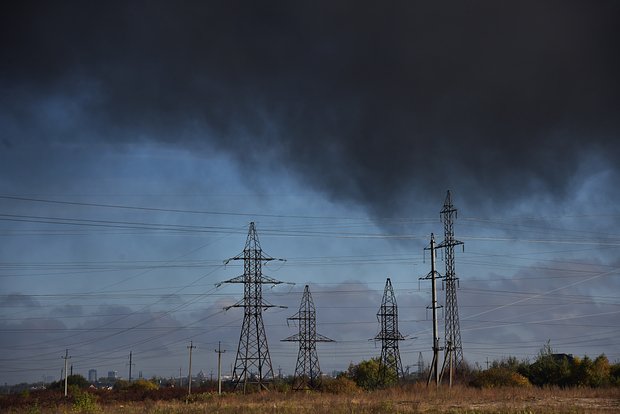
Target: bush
x,y
500,377
340,385
143,385
85,402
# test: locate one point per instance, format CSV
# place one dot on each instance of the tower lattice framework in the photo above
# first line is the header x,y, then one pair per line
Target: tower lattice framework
x,y
390,366
452,338
307,370
252,363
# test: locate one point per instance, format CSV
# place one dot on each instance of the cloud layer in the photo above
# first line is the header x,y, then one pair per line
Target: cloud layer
x,y
367,103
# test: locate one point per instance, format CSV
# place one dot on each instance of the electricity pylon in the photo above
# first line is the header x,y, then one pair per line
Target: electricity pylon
x,y
453,348
433,275
390,367
252,363
307,371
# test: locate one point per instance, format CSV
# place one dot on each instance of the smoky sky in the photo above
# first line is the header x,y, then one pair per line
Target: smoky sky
x,y
364,101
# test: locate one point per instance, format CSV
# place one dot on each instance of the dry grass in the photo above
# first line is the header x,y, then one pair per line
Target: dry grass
x,y
410,399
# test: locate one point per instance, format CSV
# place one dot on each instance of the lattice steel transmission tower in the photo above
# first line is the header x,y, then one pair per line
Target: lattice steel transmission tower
x,y
390,367
307,371
252,363
453,348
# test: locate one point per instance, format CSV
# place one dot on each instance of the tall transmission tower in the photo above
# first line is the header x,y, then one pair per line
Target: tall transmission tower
x,y
252,363
453,348
307,371
390,367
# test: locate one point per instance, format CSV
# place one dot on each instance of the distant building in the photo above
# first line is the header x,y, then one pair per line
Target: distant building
x,y
92,375
112,374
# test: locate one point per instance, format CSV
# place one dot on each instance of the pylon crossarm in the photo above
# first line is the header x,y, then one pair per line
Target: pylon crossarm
x,y
292,338
238,279
239,304
323,338
271,281
295,317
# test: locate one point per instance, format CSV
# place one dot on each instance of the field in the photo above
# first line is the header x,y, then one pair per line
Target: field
x,y
410,399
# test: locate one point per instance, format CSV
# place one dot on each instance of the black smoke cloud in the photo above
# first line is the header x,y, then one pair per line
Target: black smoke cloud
x,y
363,101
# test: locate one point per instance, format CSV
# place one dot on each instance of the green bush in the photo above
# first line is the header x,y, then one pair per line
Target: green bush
x,y
551,369
85,402
366,374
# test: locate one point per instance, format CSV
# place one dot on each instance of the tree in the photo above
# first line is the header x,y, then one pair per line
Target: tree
x,y
75,380
551,369
600,375
366,374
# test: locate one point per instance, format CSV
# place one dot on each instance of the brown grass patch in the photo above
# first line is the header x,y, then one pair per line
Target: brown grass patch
x,y
402,400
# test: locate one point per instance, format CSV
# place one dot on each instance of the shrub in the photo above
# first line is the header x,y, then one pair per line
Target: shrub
x,y
143,385
500,377
340,385
614,374
85,402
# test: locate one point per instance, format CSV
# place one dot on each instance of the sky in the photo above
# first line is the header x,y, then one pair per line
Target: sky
x,y
139,139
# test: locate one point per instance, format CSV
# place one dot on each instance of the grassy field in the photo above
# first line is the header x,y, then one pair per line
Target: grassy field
x,y
411,399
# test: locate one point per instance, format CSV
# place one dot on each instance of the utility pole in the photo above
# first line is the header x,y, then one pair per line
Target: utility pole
x,y
189,385
452,327
307,370
433,276
253,351
219,367
420,365
66,358
390,366
130,364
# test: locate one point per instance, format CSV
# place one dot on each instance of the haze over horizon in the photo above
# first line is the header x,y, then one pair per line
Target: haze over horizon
x,y
138,140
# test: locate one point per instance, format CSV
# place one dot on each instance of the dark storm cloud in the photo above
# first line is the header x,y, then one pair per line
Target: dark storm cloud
x,y
362,100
